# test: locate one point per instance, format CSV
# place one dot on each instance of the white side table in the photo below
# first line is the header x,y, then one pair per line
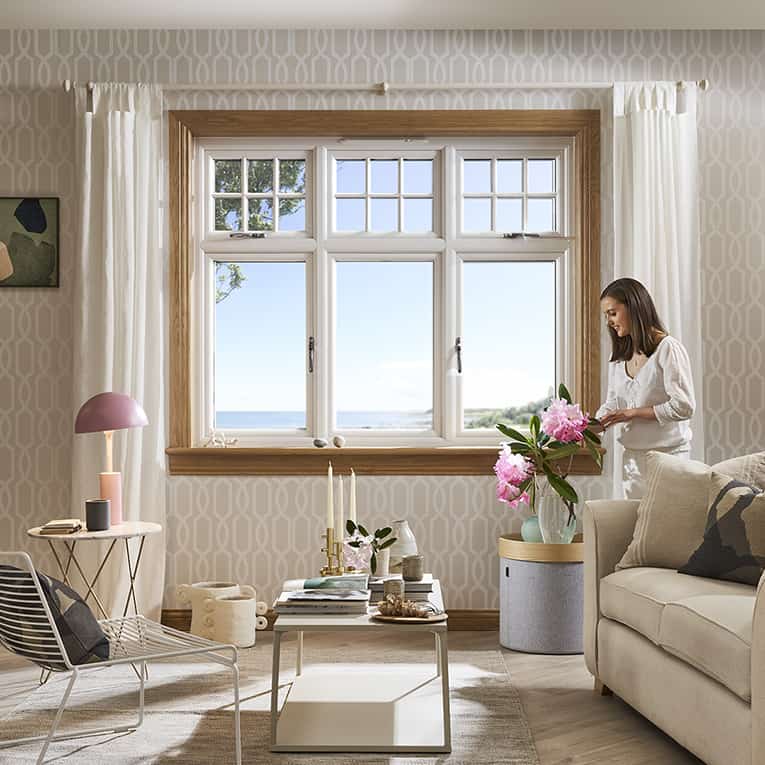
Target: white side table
x,y
364,709
123,531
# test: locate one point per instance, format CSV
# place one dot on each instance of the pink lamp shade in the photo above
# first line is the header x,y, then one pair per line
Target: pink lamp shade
x,y
109,411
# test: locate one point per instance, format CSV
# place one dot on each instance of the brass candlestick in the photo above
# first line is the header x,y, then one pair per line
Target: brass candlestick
x,y
329,549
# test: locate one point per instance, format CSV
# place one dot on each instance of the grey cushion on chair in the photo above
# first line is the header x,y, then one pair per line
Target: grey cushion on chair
x,y
81,634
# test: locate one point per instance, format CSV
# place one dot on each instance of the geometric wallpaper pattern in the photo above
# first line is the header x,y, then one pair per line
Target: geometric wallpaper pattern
x,y
255,529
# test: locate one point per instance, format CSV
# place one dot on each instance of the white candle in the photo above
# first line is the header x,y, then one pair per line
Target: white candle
x,y
352,509
330,499
339,531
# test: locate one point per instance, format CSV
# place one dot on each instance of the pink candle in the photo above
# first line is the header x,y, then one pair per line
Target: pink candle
x,y
110,487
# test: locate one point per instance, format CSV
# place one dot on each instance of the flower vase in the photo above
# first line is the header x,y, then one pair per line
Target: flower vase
x,y
383,562
530,531
404,545
557,523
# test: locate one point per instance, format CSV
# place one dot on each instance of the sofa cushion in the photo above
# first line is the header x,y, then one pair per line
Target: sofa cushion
x,y
636,597
672,514
749,469
714,634
733,547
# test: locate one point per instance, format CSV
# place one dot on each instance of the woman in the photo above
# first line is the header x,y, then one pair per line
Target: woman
x,y
650,389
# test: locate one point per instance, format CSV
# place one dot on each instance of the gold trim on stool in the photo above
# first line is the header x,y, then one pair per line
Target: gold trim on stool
x,y
513,547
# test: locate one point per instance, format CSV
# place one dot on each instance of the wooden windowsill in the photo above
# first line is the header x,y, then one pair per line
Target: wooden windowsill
x,y
446,460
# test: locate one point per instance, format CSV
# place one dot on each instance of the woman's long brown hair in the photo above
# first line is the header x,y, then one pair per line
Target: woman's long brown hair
x,y
646,328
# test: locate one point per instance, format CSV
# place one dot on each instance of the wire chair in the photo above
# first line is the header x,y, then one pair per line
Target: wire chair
x,y
28,629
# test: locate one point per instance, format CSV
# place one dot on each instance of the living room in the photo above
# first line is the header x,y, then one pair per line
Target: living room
x,y
255,244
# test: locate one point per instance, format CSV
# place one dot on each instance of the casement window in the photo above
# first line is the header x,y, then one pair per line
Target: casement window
x,y
392,292
402,292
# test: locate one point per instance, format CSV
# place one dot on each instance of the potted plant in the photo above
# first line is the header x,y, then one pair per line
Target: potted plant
x,y
533,469
366,547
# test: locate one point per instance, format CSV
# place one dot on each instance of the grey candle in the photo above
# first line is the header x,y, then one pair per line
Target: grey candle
x,y
413,568
97,514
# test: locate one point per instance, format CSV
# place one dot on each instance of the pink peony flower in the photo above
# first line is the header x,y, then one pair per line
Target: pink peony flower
x,y
564,422
512,470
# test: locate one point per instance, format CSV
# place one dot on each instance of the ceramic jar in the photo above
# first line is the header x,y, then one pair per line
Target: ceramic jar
x,y
197,593
231,620
404,545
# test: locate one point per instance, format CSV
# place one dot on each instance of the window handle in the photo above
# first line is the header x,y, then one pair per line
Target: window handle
x,y
458,349
311,350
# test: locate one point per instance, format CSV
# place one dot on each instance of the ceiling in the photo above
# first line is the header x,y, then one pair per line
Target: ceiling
x,y
384,14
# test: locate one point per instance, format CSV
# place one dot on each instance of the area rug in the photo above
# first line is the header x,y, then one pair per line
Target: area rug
x,y
189,716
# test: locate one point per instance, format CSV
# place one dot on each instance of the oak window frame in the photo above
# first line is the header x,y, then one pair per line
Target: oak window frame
x,y
186,126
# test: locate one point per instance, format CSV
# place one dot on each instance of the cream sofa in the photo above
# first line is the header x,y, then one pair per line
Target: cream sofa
x,y
688,653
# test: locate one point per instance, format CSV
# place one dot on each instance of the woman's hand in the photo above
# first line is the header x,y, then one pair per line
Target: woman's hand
x,y
620,415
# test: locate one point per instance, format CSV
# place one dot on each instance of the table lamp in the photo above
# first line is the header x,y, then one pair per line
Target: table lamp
x,y
107,412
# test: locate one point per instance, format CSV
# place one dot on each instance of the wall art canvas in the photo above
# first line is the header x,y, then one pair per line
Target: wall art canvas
x,y
29,242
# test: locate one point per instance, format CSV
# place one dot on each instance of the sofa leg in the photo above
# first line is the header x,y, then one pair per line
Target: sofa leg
x,y
602,689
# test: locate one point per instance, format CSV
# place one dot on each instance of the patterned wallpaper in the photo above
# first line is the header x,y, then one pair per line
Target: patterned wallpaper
x,y
253,529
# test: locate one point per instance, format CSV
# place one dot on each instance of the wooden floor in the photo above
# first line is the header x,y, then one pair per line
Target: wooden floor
x,y
570,723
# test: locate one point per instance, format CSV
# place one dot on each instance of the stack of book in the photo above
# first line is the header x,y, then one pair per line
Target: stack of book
x,y
325,595
416,591
64,526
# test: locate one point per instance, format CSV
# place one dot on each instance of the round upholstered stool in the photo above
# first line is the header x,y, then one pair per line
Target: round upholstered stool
x,y
541,595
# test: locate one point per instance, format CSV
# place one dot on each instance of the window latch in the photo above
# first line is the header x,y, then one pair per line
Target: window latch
x,y
458,349
248,235
311,350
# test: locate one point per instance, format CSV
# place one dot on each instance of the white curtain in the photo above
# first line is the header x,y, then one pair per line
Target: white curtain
x,y
656,219
119,318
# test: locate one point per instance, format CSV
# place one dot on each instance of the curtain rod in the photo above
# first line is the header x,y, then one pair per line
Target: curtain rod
x,y
382,88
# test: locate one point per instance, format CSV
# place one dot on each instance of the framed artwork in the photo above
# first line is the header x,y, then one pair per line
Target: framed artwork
x,y
29,242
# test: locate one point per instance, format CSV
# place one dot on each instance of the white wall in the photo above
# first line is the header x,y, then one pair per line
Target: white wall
x,y
260,529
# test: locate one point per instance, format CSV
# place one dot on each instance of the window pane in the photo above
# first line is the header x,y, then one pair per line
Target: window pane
x,y
541,176
476,176
260,176
508,345
510,176
384,176
476,215
228,176
541,215
228,214
384,215
418,176
509,215
384,355
260,346
292,215
292,176
350,215
261,215
418,215
350,176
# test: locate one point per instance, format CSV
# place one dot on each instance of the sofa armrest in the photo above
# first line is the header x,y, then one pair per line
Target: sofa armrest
x,y
758,675
608,527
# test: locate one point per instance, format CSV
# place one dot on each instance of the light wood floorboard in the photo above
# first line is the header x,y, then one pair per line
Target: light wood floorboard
x,y
571,724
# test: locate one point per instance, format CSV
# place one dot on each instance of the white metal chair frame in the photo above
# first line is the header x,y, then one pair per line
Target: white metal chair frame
x,y
133,640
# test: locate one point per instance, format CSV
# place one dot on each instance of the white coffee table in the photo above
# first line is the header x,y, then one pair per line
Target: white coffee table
x,y
363,708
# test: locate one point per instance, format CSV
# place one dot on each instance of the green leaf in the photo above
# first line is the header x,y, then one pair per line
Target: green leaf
x,y
363,531
525,485
373,563
592,437
534,424
563,393
595,452
386,543
520,448
561,486
350,526
357,543
511,433
563,451
380,533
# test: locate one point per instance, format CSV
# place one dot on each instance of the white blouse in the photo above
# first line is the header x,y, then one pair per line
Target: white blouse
x,y
663,382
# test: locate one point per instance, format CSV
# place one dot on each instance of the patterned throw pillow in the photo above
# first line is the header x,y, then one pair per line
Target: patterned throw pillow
x,y
734,539
81,634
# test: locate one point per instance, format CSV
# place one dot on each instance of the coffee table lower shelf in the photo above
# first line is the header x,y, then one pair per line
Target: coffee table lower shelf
x,y
363,711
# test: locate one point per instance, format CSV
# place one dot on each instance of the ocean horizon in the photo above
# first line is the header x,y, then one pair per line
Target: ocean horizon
x,y
291,420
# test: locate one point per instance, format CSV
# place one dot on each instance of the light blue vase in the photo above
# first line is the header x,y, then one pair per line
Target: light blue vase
x,y
530,531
